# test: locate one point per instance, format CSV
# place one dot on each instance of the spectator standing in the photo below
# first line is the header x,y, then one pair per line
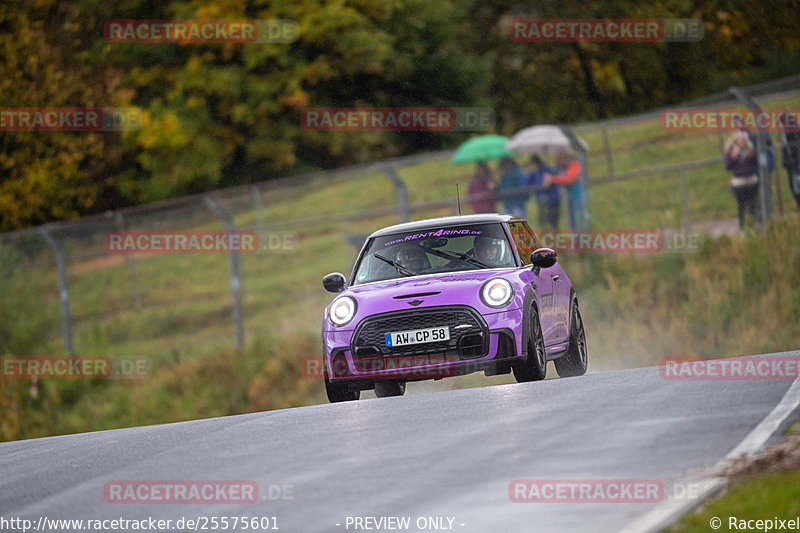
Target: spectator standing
x,y
790,139
768,147
741,160
548,199
515,203
569,178
482,183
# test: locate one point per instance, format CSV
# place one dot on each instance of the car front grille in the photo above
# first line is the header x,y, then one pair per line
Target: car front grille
x,y
469,335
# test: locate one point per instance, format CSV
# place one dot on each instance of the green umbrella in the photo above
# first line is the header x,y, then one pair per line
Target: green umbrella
x,y
482,148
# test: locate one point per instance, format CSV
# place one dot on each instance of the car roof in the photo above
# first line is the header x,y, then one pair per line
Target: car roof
x,y
443,222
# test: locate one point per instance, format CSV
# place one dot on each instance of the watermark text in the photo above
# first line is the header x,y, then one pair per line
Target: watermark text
x,y
200,31
756,367
556,30
398,119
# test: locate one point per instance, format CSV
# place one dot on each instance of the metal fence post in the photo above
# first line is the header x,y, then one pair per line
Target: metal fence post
x,y
402,191
776,179
233,258
63,292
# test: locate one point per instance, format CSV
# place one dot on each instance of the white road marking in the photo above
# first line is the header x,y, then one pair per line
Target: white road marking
x,y
668,511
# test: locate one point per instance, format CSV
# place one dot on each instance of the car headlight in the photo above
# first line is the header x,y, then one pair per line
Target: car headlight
x,y
342,310
497,293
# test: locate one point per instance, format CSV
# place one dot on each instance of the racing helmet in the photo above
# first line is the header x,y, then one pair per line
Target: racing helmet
x,y
488,249
412,257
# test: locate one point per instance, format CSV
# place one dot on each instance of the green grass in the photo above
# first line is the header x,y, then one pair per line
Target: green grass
x,y
766,496
185,326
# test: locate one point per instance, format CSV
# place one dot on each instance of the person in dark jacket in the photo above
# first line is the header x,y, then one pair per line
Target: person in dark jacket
x,y
741,160
790,139
548,199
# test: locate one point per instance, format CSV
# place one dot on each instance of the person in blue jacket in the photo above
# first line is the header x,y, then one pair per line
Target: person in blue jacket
x,y
514,203
548,199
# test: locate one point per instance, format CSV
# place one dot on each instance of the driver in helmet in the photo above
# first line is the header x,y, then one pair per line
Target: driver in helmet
x,y
488,250
413,258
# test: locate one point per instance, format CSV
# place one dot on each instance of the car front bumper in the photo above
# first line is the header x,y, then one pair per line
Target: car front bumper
x,y
359,355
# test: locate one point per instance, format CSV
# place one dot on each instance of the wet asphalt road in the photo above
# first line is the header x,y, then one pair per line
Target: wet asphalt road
x,y
443,455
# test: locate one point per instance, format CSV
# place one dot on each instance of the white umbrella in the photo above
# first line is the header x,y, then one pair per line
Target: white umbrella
x,y
541,140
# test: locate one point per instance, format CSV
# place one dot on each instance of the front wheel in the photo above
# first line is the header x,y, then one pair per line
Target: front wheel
x,y
535,367
340,392
384,389
576,360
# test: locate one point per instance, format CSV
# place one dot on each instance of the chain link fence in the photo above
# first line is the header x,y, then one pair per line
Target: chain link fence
x,y
64,291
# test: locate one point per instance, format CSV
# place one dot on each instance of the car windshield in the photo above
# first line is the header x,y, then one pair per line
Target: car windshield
x,y
435,250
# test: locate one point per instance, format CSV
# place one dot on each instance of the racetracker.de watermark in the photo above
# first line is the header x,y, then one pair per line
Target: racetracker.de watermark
x,y
398,119
757,367
197,242
73,367
625,30
395,366
180,492
619,241
586,491
730,119
70,118
200,31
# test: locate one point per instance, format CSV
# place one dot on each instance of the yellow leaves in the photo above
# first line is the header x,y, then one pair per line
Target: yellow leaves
x,y
221,9
147,138
194,64
209,11
239,112
45,189
194,102
162,132
608,76
298,99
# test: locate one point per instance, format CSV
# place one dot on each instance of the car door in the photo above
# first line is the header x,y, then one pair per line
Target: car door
x,y
560,311
541,282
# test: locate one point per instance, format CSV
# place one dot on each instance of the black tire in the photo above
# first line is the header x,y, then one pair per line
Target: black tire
x,y
535,366
384,389
340,392
576,360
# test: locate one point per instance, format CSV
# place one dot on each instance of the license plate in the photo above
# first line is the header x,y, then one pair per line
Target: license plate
x,y
418,336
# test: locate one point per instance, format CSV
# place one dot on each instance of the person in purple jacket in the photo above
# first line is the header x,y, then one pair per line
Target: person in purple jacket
x,y
482,185
741,160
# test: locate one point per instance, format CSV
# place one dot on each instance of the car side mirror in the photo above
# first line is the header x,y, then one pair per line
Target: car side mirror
x,y
544,258
334,282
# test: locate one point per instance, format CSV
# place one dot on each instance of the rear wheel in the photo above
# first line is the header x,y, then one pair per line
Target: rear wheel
x,y
576,360
340,392
535,367
385,389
